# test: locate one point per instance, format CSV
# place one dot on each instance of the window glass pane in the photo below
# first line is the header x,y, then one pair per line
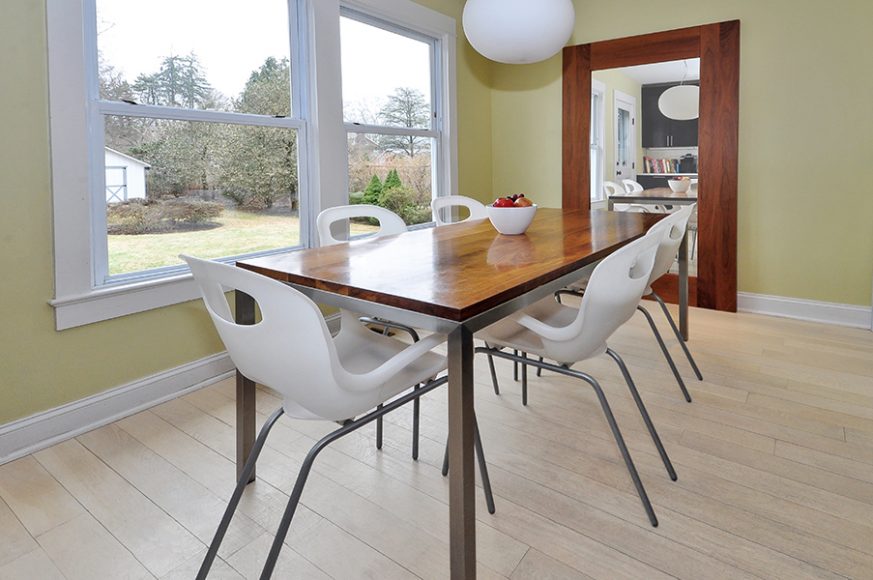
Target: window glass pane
x,y
385,172
208,189
194,54
386,77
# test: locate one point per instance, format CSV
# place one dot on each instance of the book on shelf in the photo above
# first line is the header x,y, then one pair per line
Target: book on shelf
x,y
664,166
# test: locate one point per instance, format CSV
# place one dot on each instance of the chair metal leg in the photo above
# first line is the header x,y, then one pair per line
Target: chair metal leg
x,y
678,335
483,467
540,369
379,430
493,373
387,325
610,418
515,367
646,419
568,292
237,494
622,447
413,334
348,427
416,414
524,380
666,353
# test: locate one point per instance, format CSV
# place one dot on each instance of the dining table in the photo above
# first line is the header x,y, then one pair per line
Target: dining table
x,y
665,196
454,280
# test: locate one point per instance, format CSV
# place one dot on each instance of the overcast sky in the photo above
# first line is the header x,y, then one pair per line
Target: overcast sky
x,y
231,42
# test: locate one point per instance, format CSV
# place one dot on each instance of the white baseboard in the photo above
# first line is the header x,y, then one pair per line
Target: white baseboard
x,y
811,310
42,430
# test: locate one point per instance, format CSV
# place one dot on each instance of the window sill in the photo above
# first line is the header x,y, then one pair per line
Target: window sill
x,y
107,303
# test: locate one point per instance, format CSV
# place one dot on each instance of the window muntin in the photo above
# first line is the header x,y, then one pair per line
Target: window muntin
x,y
390,105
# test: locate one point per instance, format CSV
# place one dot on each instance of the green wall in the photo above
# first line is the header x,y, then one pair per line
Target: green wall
x,y
41,368
806,133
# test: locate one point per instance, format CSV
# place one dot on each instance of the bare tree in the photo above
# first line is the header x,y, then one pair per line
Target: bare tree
x,y
405,108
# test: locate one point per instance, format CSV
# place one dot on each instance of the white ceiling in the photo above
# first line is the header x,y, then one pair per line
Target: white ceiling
x,y
664,72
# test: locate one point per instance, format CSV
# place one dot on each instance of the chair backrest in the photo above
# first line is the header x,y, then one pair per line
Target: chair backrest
x,y
611,297
612,188
671,230
631,186
477,210
290,349
389,222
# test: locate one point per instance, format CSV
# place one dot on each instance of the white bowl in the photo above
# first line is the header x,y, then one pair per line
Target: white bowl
x,y
511,221
679,185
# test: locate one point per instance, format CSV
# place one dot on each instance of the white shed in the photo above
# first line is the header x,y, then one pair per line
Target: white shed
x,y
125,176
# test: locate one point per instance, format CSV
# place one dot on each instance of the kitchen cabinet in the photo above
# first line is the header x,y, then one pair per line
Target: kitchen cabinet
x,y
658,130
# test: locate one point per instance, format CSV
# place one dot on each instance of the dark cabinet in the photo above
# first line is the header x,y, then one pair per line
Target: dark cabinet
x,y
658,130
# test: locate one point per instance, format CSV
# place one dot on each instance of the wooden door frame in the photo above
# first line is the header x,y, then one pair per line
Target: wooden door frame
x,y
718,47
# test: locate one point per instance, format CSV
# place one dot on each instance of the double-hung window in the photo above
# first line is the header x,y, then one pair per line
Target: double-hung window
x,y
598,149
216,129
392,83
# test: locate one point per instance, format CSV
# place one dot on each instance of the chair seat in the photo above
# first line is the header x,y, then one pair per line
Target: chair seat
x,y
361,351
509,333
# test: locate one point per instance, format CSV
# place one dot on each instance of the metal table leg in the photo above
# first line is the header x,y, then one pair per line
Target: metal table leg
x,y
245,393
683,287
462,482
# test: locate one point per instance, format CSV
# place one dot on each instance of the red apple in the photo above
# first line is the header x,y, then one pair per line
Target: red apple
x,y
503,202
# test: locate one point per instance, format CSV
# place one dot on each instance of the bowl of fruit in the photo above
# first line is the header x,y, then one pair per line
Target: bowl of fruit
x,y
511,215
680,184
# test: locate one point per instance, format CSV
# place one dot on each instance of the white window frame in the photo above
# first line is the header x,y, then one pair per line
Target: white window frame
x,y
598,143
439,177
318,118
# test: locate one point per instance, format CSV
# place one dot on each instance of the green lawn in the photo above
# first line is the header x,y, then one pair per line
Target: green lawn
x,y
240,233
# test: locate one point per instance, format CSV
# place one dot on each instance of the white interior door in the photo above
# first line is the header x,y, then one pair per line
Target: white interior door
x,y
625,136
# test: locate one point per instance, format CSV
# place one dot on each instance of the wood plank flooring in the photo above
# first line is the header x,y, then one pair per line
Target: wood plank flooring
x,y
774,457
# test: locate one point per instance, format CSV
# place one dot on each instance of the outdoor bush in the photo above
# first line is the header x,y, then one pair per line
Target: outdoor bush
x,y
140,216
405,203
374,189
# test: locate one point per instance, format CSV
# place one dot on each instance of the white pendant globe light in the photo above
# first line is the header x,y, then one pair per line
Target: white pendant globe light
x,y
681,102
518,31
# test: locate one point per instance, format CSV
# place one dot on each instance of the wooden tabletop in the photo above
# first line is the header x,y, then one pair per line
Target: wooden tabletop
x,y
656,193
456,272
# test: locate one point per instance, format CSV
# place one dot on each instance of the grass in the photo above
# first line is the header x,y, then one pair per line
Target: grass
x,y
239,232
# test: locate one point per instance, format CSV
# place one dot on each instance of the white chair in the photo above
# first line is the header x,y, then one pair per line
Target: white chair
x,y
611,188
389,224
631,186
680,223
439,204
674,225
570,335
338,379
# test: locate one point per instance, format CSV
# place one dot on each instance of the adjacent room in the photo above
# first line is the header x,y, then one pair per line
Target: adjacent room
x,y
523,289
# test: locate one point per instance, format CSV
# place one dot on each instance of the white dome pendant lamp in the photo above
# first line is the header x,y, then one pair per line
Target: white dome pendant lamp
x,y
518,31
682,102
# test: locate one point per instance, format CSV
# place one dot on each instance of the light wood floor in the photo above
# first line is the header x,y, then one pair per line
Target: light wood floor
x,y
775,464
